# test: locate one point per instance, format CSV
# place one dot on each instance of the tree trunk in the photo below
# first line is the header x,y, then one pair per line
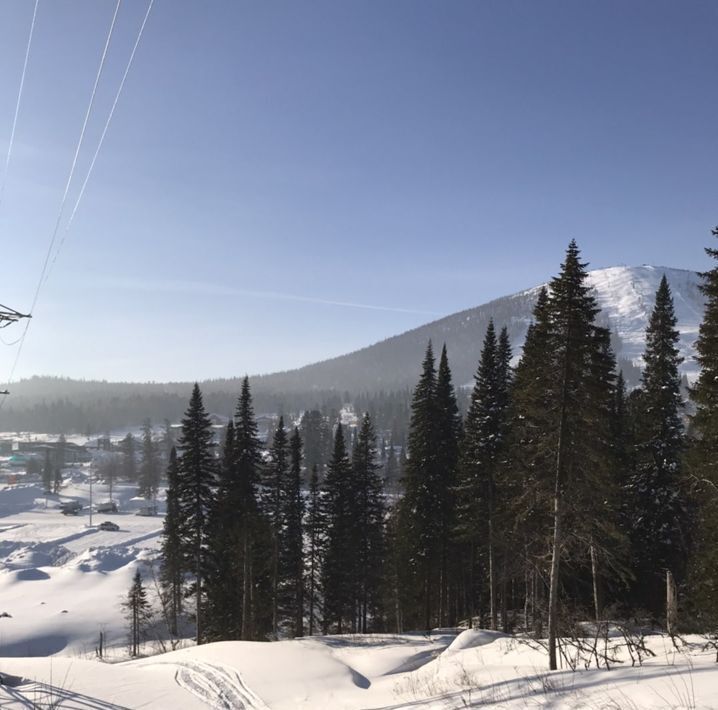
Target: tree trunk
x,y
199,628
275,591
245,587
527,593
312,573
594,575
553,584
427,600
493,612
504,600
558,493
671,604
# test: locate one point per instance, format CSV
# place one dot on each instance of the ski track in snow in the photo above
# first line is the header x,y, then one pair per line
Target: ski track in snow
x,y
218,686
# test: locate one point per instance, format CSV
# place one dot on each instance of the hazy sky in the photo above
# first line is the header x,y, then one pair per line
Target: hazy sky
x,y
288,181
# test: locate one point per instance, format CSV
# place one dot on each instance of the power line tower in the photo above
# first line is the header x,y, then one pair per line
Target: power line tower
x,y
8,316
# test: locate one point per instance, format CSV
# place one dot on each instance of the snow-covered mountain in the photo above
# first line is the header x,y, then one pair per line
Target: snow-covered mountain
x,y
625,294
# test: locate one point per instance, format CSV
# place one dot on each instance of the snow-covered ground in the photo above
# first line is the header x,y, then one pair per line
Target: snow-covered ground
x,y
62,582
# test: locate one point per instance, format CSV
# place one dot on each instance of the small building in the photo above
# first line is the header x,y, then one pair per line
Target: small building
x,y
108,506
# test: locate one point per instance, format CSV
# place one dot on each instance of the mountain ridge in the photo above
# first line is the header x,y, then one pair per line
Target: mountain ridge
x,y
624,293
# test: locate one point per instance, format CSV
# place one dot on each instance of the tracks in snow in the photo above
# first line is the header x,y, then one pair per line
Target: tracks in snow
x,y
218,686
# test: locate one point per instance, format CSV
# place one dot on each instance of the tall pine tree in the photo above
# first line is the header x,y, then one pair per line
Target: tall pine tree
x,y
254,553
195,492
274,494
482,445
173,560
291,559
447,436
223,603
660,526
315,530
419,515
149,477
339,556
703,463
369,512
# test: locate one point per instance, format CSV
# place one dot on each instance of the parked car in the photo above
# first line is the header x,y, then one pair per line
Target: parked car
x,y
109,525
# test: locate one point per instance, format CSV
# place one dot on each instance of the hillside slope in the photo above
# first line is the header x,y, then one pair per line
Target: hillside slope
x,y
625,295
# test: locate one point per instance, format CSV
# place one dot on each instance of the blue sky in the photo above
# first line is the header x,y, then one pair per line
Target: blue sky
x,y
287,181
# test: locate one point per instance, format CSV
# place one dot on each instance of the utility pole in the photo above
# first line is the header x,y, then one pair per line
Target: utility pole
x,y
8,316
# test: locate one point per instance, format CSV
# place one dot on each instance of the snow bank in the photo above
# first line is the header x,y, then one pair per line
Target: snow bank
x,y
472,638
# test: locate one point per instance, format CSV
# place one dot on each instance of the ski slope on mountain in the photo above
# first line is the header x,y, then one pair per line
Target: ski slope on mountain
x,y
626,297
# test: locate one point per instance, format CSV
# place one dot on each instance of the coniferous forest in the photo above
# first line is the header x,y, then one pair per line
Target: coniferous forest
x,y
560,497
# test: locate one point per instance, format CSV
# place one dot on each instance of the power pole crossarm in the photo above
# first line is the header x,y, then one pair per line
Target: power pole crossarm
x,y
10,315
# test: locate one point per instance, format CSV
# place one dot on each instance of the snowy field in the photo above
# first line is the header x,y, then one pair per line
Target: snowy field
x,y
62,583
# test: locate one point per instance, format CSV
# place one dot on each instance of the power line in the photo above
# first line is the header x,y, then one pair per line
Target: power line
x,y
45,273
102,138
17,103
64,196
74,160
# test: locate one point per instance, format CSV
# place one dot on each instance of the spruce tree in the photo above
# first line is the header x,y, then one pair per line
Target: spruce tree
x,y
223,606
339,556
448,434
149,475
315,529
524,470
419,514
137,610
254,547
60,451
47,473
291,558
504,371
482,445
173,562
391,468
703,463
317,440
369,512
168,439
129,464
660,528
274,494
580,385
195,492
556,476
240,547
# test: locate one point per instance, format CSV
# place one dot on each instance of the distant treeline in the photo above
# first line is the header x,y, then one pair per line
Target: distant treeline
x,y
95,408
